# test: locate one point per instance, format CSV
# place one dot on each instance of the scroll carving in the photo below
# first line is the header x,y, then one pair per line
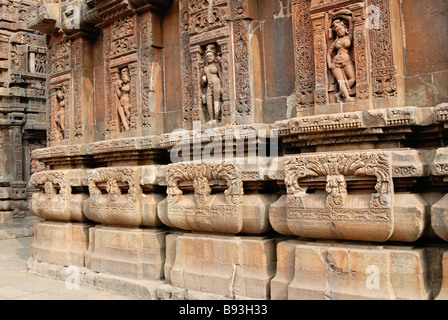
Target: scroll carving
x,y
383,64
201,174
336,215
204,211
304,58
57,202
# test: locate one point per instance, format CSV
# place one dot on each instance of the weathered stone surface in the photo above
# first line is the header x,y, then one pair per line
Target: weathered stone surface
x,y
131,253
294,124
443,294
223,265
60,243
339,272
124,203
58,202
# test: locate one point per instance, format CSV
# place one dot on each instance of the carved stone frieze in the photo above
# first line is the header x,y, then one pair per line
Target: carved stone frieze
x,y
58,202
117,198
217,202
348,57
335,213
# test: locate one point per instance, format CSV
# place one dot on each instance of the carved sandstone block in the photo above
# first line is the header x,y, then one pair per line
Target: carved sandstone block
x,y
439,218
226,211
132,253
411,217
116,198
349,196
63,244
312,271
58,202
336,214
227,266
443,294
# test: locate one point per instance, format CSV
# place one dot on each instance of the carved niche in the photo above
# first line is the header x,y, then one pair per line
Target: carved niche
x,y
352,57
59,92
335,213
132,74
207,28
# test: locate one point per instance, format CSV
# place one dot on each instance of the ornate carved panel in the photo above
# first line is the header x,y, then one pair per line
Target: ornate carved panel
x,y
202,210
212,28
116,197
353,61
58,202
336,214
384,71
304,57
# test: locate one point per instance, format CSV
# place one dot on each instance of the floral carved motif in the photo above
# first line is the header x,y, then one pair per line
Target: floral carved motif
x,y
201,174
337,214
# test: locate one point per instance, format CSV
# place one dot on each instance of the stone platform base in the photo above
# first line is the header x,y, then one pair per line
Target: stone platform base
x,y
152,263
139,289
60,243
133,253
227,266
336,271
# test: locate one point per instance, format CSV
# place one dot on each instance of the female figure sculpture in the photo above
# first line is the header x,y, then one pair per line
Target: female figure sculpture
x,y
338,56
211,81
59,117
123,88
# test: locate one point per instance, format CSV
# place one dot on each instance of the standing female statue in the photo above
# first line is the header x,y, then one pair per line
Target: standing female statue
x,y
211,81
123,88
338,56
59,117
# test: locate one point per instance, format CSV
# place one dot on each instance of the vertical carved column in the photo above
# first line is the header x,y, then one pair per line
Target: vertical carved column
x,y
320,60
304,57
59,91
82,75
244,103
386,52
361,52
186,72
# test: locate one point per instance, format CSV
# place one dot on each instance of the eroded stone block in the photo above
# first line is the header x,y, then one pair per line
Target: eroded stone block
x,y
60,243
132,253
319,271
224,265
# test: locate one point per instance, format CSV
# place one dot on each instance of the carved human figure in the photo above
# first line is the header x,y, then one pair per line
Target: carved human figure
x,y
211,82
338,56
59,117
123,86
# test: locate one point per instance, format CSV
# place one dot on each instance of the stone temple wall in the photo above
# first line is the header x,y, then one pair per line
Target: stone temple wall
x,y
245,149
22,115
